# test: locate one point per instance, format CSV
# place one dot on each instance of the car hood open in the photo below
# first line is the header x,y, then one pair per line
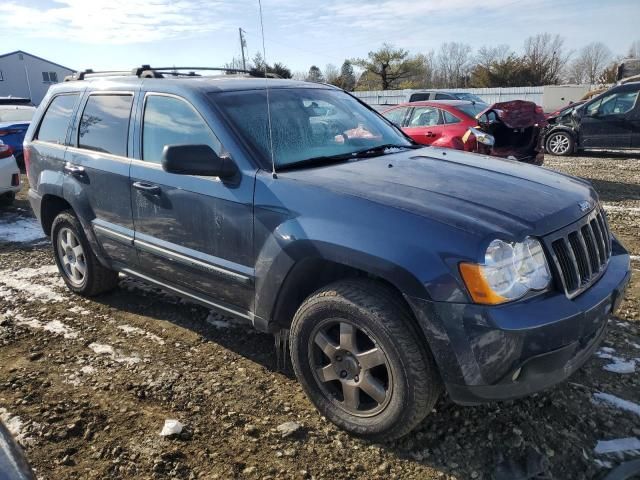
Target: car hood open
x,y
517,113
479,194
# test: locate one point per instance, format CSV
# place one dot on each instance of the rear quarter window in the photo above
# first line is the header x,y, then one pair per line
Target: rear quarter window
x,y
104,126
55,123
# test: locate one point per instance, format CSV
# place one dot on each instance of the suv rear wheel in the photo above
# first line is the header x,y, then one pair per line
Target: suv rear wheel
x,y
560,143
79,267
359,360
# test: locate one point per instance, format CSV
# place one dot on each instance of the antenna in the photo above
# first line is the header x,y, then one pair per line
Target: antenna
x,y
266,86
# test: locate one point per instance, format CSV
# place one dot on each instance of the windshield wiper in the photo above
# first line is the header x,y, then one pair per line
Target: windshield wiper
x,y
342,157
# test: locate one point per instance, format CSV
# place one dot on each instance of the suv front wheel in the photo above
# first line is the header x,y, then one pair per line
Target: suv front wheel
x,y
560,143
79,267
360,361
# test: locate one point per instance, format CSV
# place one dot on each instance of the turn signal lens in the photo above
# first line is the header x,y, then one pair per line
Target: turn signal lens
x,y
478,286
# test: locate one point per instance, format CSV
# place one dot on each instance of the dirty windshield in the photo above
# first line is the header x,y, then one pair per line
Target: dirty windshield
x,y
308,124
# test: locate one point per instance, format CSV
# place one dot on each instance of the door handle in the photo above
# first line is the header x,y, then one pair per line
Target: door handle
x,y
75,170
149,188
430,134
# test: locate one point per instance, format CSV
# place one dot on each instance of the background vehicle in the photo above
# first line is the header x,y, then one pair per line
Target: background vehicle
x,y
15,116
9,175
399,271
611,120
440,95
442,123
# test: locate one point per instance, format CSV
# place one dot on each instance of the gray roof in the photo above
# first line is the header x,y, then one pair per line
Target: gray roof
x,y
39,58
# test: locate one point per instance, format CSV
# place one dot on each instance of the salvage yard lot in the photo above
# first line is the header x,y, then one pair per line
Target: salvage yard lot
x,y
87,384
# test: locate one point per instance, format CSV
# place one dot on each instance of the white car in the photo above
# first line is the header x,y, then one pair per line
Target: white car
x,y
9,175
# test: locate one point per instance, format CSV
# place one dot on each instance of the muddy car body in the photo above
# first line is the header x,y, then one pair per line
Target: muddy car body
x,y
398,270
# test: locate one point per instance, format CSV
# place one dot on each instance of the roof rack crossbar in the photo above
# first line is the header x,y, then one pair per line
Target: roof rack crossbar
x,y
146,71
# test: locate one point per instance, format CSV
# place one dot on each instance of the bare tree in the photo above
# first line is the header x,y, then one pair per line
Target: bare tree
x,y
545,57
331,74
590,63
487,56
634,50
453,63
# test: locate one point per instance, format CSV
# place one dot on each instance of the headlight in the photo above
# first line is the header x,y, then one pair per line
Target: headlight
x,y
483,137
509,271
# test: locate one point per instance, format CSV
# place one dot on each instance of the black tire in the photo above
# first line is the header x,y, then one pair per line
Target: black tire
x,y
413,383
96,279
7,198
559,143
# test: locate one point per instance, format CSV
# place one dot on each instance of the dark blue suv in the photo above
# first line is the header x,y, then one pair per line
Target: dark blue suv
x,y
398,271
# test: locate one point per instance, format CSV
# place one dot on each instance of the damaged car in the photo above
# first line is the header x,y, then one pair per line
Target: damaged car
x,y
610,120
508,129
512,130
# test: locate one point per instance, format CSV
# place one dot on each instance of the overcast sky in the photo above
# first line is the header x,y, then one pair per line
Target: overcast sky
x,y
106,34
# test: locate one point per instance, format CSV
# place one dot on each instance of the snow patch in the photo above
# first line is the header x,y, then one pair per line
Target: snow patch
x,y
15,426
617,208
140,331
612,400
171,427
618,364
103,349
54,326
22,281
629,444
23,230
218,321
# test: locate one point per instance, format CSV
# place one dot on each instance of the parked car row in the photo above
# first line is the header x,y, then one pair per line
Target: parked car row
x,y
399,271
507,129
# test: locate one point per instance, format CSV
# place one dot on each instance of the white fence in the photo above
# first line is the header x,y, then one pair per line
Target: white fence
x,y
549,97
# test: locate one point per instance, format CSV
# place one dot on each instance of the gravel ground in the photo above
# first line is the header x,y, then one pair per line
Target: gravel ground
x,y
86,385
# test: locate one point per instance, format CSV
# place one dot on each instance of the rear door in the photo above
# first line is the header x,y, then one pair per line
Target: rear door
x,y
191,231
48,148
97,170
607,121
425,125
397,115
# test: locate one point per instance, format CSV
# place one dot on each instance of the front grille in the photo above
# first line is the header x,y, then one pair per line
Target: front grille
x,y
581,252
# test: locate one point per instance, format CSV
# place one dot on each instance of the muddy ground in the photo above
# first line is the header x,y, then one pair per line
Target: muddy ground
x,y
86,385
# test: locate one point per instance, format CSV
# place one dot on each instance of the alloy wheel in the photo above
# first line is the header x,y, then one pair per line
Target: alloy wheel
x,y
559,144
72,256
350,367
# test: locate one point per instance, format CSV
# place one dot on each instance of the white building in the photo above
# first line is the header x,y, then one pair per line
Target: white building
x,y
25,75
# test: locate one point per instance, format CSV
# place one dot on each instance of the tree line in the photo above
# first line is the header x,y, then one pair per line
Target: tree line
x,y
544,60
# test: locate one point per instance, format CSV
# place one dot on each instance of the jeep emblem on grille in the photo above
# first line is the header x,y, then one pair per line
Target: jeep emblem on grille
x,y
584,205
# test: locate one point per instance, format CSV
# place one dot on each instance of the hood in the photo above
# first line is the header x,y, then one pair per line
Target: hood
x,y
479,194
517,113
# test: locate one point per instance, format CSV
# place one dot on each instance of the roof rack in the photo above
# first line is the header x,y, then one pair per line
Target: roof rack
x,y
146,71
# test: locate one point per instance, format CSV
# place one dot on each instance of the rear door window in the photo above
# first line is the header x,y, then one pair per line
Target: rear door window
x,y
444,96
396,115
104,126
55,123
173,121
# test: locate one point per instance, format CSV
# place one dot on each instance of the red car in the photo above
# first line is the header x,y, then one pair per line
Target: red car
x,y
441,123
510,129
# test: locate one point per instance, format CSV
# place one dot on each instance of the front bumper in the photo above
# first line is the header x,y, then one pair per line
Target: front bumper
x,y
487,353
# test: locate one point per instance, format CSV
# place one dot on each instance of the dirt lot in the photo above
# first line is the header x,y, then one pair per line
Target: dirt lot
x,y
87,384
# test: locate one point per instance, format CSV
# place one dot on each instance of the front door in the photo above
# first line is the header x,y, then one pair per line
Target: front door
x,y
606,122
191,231
425,125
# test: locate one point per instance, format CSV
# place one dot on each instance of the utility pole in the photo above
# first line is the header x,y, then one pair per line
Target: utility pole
x,y
243,45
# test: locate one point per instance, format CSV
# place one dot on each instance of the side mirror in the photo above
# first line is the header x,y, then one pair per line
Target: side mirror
x,y
198,160
482,137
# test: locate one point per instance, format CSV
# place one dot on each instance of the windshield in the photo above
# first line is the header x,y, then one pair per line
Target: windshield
x,y
307,123
472,109
14,114
468,96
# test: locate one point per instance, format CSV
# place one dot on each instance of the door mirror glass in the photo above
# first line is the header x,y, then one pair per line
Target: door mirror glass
x,y
482,137
198,160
